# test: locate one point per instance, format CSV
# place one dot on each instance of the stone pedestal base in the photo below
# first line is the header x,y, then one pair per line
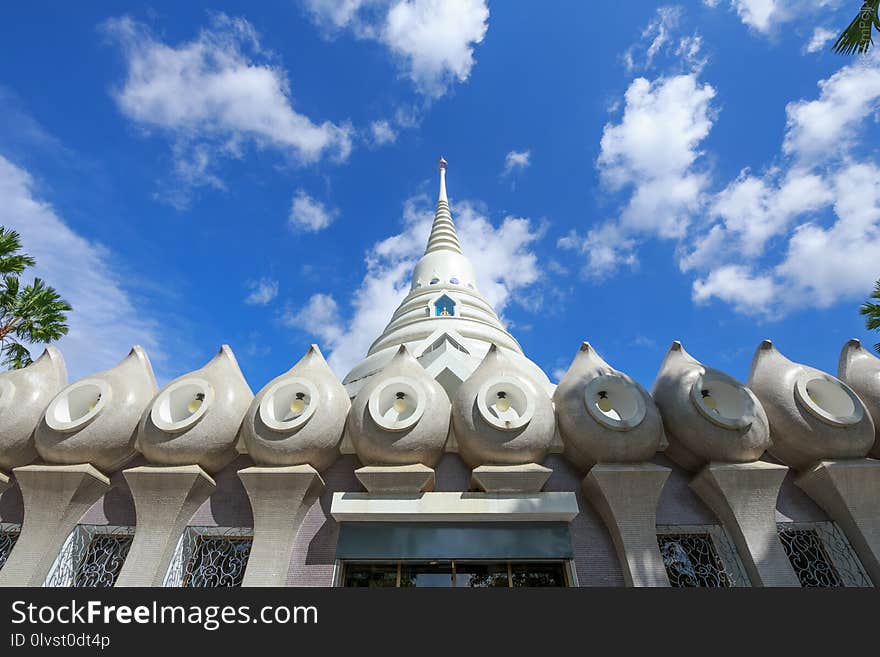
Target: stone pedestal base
x,y
395,479
280,498
849,492
55,498
528,478
165,498
743,497
626,495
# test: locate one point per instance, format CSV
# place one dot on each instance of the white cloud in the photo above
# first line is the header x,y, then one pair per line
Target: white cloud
x,y
663,123
821,36
661,35
261,292
802,233
657,34
820,265
433,40
765,16
507,265
214,95
320,317
309,214
382,133
737,286
337,13
516,161
828,126
842,261
754,209
652,154
105,321
821,261
758,14
436,39
606,249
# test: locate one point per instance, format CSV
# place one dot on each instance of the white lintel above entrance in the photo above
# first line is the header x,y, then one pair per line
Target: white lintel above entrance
x,y
454,507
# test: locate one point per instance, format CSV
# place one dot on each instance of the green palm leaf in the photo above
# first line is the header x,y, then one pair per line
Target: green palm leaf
x,y
16,356
871,312
34,314
856,38
10,261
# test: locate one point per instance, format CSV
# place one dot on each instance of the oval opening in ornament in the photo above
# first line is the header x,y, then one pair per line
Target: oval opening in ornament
x,y
397,404
78,405
615,402
726,404
505,404
182,404
829,400
289,404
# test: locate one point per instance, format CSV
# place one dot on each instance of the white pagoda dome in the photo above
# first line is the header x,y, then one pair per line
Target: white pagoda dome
x,y
444,321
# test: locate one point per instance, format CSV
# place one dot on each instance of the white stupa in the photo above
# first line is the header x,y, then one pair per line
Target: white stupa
x,y
444,321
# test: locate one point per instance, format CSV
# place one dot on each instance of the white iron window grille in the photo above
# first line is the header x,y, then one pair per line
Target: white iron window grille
x,y
210,557
91,557
8,537
700,556
821,555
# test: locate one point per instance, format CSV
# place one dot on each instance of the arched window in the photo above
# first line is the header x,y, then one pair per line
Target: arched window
x,y
444,307
434,281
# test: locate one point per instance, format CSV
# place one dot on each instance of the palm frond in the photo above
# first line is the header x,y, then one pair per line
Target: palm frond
x,y
856,38
15,356
871,312
11,262
41,313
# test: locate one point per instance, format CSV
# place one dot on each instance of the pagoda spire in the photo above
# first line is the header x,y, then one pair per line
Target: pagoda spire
x,y
443,236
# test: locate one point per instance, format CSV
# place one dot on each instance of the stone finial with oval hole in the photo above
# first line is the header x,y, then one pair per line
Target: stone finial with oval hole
x,y
401,417
860,370
604,415
298,418
501,416
708,415
813,416
195,419
24,395
94,420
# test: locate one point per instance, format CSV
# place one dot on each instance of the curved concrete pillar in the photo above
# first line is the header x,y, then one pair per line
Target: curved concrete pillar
x,y
55,498
626,496
849,492
743,497
165,498
280,497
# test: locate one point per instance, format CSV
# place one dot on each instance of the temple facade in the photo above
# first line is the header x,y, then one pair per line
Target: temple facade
x,y
445,458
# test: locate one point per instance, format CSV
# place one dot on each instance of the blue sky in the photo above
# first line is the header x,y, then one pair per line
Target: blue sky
x,y
263,174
